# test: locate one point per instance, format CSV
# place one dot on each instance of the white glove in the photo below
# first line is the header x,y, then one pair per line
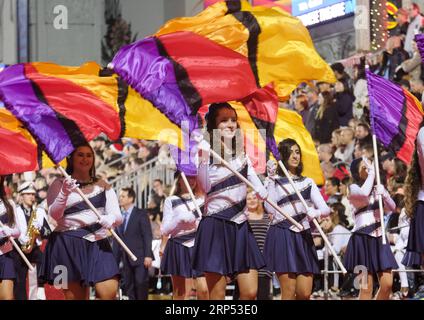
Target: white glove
x,y
107,221
205,149
69,185
271,168
37,224
379,190
262,193
5,232
313,213
369,165
23,238
204,146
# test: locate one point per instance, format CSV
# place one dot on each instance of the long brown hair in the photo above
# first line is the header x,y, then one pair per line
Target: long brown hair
x,y
284,148
412,184
327,103
7,205
70,162
237,142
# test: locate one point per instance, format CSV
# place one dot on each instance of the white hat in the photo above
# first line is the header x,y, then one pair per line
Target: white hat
x,y
26,187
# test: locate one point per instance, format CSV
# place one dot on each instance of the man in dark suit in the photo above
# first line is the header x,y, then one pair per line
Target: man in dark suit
x,y
136,232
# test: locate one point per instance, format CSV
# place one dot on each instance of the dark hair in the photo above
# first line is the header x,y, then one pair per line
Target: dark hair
x,y
7,205
303,100
363,125
335,182
415,6
399,200
339,67
354,170
158,180
70,162
284,147
400,171
346,180
361,70
340,211
211,124
130,191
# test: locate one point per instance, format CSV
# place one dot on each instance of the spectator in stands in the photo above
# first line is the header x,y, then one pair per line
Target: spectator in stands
x,y
393,56
413,27
327,120
301,106
411,66
157,197
344,102
313,103
360,90
362,133
332,190
402,19
323,87
346,146
339,71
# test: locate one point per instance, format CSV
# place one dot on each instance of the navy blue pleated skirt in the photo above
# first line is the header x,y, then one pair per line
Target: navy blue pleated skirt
x,y
368,251
7,267
411,259
416,230
225,247
287,251
85,262
177,260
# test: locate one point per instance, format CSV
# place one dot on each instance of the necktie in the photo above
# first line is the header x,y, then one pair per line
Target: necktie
x,y
124,223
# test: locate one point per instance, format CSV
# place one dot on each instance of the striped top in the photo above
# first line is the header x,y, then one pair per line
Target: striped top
x,y
366,210
259,230
281,192
76,216
5,244
180,217
225,192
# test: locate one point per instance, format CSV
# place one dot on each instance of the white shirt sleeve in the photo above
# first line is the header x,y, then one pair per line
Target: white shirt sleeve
x,y
254,179
168,224
112,207
318,200
56,200
359,196
203,177
15,229
272,195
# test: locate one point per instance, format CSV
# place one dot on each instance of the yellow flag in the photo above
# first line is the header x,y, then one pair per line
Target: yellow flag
x,y
278,45
289,125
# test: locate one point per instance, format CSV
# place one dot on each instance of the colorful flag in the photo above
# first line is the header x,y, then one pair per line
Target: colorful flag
x,y
65,106
18,152
289,124
395,116
277,45
256,115
181,71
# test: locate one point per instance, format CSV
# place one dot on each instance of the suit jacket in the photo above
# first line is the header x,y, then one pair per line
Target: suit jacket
x,y
137,236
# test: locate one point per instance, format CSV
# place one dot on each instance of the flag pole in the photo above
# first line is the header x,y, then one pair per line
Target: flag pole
x,y
378,180
16,246
321,232
190,191
248,183
88,202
